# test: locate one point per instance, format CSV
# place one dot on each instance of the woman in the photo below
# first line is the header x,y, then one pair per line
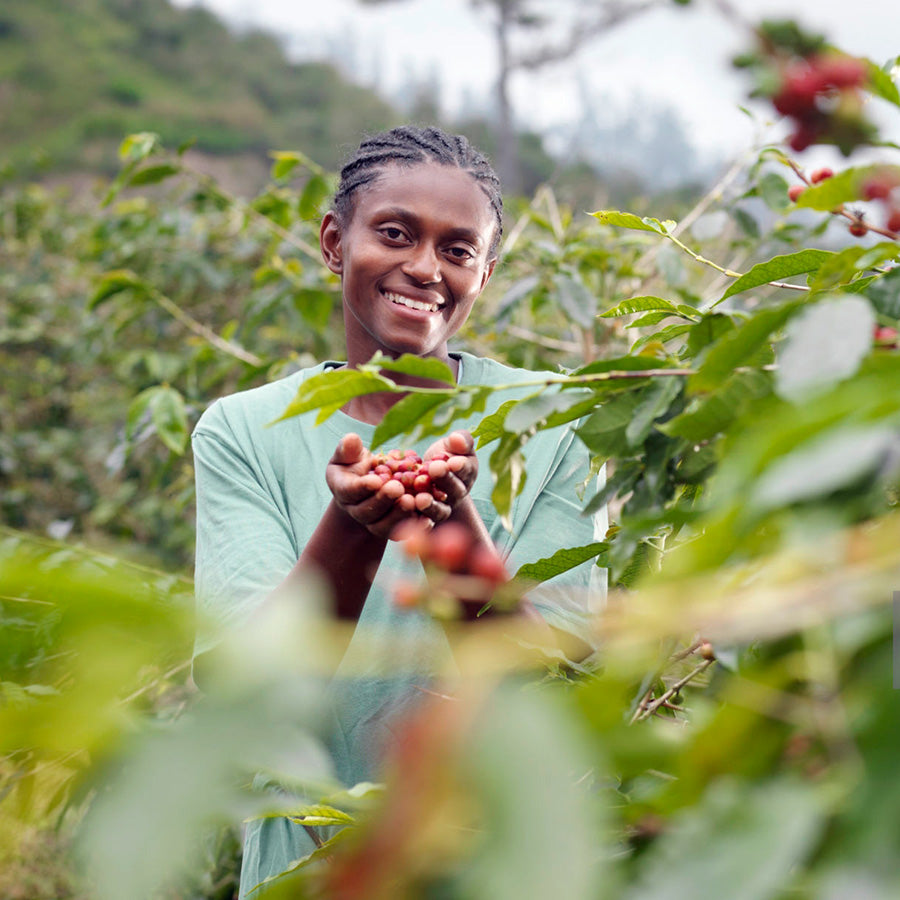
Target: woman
x,y
413,234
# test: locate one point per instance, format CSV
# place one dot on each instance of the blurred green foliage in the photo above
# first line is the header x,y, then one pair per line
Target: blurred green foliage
x,y
736,371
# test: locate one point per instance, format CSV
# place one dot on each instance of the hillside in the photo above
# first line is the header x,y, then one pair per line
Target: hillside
x,y
76,76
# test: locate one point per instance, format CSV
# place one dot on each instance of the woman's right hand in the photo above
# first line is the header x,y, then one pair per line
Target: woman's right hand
x,y
360,494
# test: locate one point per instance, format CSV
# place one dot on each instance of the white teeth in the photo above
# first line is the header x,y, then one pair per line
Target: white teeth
x,y
412,304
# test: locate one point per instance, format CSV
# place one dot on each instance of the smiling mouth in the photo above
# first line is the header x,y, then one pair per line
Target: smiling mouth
x,y
409,303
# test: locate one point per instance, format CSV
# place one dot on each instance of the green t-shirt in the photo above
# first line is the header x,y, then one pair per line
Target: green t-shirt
x,y
261,492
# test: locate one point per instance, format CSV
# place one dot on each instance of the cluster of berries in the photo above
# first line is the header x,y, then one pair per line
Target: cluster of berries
x,y
821,93
462,574
883,186
408,468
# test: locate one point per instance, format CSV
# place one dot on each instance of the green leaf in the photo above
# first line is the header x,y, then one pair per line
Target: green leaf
x,y
560,562
830,461
518,292
845,266
845,187
670,332
529,412
774,191
708,416
321,814
651,318
490,428
508,467
408,364
657,398
747,223
742,841
648,304
777,269
884,293
167,413
138,146
315,191
824,344
285,163
152,174
881,84
622,364
575,299
629,220
604,430
737,347
333,389
405,414
112,283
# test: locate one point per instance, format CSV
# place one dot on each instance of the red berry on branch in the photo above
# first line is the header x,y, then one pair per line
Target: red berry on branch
x,y
883,334
804,136
450,545
878,187
406,595
794,192
858,229
842,72
822,174
486,563
893,222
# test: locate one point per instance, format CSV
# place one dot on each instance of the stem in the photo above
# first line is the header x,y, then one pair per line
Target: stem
x,y
651,707
204,331
287,236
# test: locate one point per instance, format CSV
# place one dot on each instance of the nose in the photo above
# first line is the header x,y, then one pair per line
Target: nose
x,y
423,264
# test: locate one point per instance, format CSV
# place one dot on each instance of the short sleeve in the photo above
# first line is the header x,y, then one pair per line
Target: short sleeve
x,y
245,543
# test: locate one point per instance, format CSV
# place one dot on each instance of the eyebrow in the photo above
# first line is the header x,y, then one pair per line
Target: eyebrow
x,y
458,233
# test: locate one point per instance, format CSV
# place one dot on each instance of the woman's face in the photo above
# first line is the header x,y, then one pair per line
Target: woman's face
x,y
412,259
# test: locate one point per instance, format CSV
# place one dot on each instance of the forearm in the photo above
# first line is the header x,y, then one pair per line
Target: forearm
x,y
347,554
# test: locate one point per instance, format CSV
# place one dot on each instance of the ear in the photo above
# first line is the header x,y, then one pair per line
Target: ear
x,y
486,275
330,243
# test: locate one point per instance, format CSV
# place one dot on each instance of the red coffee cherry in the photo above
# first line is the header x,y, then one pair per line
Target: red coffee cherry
x,y
822,174
794,192
858,229
893,222
487,564
878,187
450,545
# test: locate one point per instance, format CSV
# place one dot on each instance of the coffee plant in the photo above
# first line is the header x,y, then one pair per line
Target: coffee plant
x,y
735,369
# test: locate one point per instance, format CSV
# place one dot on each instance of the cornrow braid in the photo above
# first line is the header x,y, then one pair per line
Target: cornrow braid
x,y
408,145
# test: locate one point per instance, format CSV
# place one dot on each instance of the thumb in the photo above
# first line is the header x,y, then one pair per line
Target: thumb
x,y
349,450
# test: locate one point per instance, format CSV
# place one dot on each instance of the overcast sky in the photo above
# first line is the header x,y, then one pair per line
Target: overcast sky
x,y
679,56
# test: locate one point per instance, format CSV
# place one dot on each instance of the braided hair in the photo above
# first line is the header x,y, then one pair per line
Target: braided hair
x,y
408,145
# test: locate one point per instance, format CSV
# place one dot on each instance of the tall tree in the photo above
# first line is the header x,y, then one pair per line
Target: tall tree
x,y
533,34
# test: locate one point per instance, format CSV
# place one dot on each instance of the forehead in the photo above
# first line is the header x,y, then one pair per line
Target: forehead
x,y
443,194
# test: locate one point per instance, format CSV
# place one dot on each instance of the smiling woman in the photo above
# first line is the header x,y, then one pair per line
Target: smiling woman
x,y
411,271
413,234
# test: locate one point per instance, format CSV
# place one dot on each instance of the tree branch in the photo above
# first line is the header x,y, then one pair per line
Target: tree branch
x,y
583,31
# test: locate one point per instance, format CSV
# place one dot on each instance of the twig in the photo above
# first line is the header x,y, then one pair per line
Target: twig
x,y
653,705
202,330
164,677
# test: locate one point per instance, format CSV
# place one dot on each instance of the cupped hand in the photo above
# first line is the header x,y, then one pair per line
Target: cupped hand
x,y
453,465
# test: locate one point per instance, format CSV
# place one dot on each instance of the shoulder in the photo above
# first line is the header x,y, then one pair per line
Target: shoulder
x,y
487,371
255,407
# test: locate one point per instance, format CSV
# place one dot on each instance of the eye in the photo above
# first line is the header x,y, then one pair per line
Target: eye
x,y
393,233
461,253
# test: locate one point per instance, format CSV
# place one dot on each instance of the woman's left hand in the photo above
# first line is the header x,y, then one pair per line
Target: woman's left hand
x,y
452,466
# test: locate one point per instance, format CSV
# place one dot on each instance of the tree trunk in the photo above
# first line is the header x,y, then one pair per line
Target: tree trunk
x,y
507,150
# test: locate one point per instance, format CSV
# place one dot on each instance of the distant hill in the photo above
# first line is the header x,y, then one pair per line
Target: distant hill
x,y
77,75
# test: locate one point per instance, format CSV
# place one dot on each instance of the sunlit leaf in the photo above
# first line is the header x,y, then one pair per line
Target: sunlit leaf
x,y
560,562
777,269
334,389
